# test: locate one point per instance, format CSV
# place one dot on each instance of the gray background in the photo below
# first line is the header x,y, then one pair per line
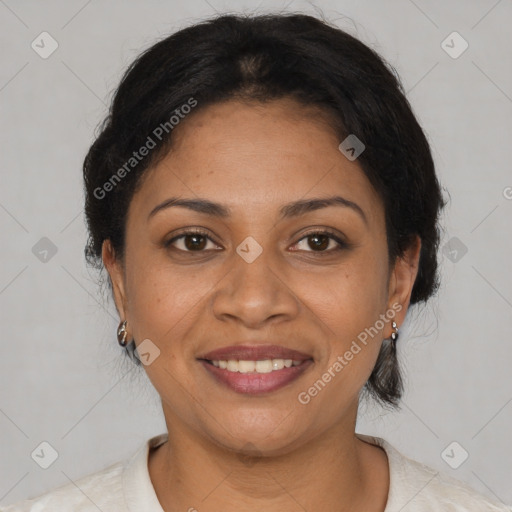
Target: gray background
x,y
64,379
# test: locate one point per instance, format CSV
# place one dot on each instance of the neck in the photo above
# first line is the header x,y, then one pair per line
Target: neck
x,y
335,471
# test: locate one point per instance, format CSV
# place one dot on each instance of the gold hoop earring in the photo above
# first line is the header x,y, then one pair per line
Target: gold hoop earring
x,y
394,335
122,334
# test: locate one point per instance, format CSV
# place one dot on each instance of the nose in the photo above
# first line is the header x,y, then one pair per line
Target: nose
x,y
256,293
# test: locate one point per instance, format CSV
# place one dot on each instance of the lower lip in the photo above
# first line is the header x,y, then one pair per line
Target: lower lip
x,y
256,383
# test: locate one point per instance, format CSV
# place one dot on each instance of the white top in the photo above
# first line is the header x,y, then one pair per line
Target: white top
x,y
126,487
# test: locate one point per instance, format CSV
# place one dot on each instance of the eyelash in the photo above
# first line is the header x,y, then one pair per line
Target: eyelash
x,y
331,235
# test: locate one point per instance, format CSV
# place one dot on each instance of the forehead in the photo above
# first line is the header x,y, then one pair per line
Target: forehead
x,y
248,154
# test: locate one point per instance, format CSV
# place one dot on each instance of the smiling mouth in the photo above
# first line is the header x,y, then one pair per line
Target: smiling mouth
x,y
255,377
259,366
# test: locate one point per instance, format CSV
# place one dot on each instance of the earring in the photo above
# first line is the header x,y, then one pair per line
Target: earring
x,y
394,335
122,334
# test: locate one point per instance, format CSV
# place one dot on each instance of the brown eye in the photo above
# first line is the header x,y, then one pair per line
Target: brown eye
x,y
195,242
190,241
320,241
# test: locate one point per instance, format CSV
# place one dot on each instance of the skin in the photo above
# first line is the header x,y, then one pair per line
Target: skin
x,y
254,158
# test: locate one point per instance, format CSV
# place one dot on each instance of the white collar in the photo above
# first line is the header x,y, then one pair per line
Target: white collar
x,y
138,489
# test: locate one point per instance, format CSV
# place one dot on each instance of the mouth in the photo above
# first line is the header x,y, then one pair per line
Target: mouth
x,y
255,369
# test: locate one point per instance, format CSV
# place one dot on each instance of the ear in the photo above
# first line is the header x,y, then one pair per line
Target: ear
x,y
402,279
116,273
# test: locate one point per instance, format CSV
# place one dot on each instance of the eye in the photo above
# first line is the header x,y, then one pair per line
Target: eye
x,y
194,240
320,241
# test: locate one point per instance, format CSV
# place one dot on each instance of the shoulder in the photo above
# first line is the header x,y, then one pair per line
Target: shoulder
x,y
125,485
425,488
98,491
415,487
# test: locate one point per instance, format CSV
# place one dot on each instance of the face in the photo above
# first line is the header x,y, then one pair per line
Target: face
x,y
311,279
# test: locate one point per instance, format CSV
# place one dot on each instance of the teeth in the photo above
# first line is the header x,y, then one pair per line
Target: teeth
x,y
232,366
246,366
277,364
263,366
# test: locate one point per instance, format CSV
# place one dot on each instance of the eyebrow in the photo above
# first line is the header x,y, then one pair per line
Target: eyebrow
x,y
289,210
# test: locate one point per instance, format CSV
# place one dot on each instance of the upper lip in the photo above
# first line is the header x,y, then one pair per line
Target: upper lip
x,y
254,353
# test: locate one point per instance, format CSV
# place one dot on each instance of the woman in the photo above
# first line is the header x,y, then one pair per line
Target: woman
x,y
266,206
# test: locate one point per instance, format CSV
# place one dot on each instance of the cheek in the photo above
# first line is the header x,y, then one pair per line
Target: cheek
x,y
349,304
164,300
352,297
